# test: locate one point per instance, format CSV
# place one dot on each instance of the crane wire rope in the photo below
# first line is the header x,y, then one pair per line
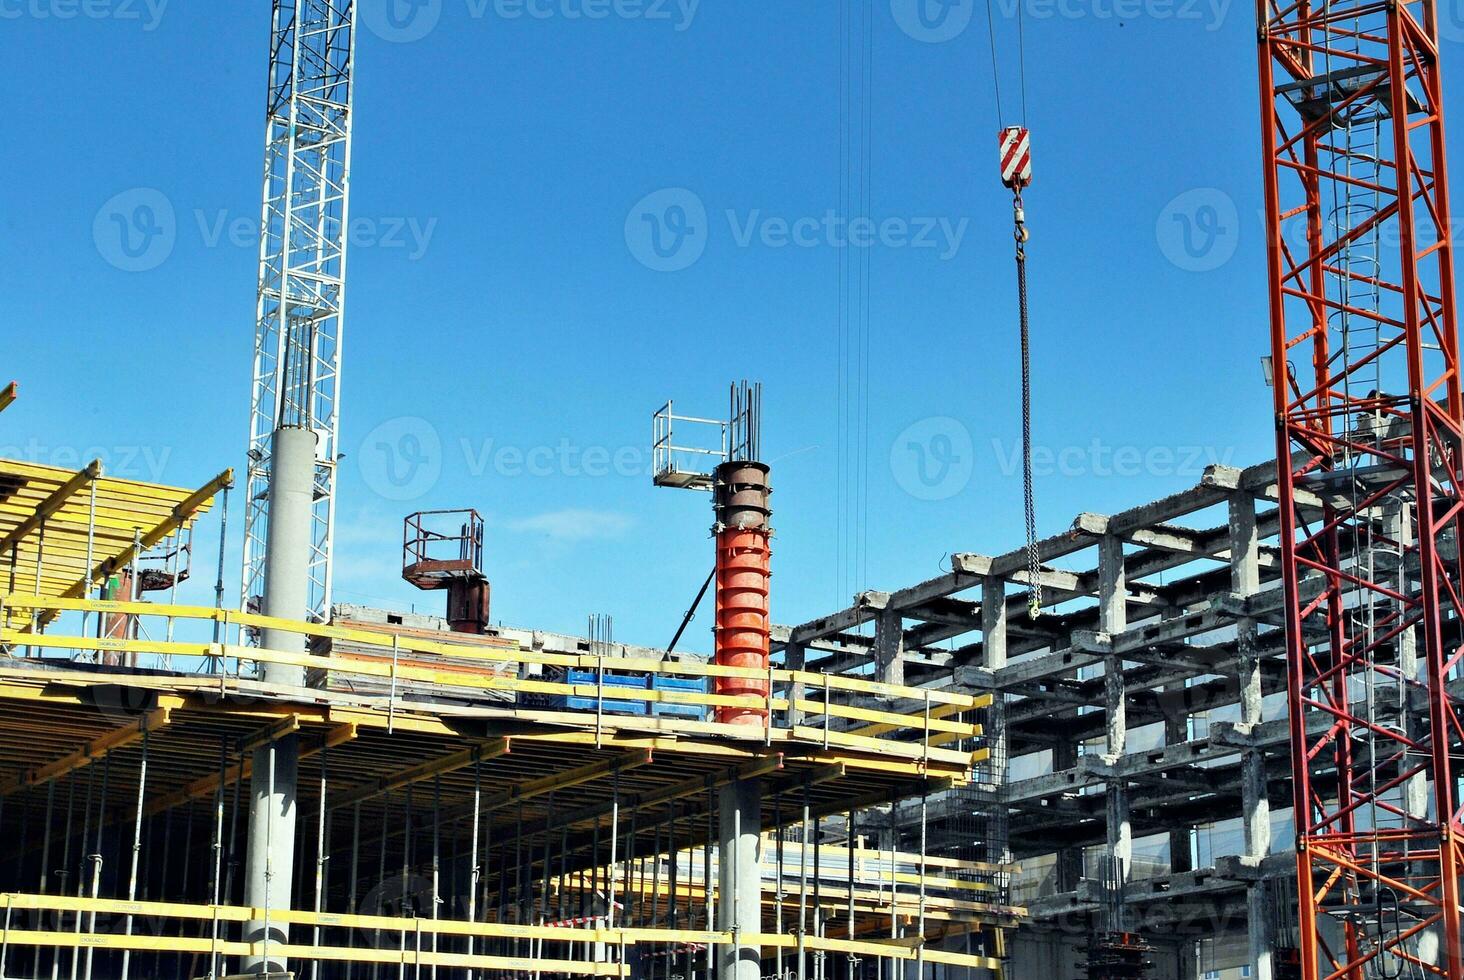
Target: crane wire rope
x,y
1029,500
842,550
1016,174
853,308
995,74
866,258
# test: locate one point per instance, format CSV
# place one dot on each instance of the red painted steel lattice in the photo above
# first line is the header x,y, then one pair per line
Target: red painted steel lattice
x,y
1364,357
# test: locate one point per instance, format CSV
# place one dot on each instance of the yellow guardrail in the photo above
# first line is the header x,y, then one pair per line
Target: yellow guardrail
x,y
414,937
798,698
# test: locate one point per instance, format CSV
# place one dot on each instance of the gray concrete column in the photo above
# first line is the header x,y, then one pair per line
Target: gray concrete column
x,y
1177,732
889,646
1181,841
998,743
1113,620
1187,961
795,658
269,868
1398,525
994,658
287,545
1245,581
1070,869
739,878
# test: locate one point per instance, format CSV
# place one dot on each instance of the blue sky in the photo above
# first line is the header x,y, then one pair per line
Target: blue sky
x,y
505,302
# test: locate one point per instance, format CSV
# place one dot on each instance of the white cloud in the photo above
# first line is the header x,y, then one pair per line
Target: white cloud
x,y
573,524
368,549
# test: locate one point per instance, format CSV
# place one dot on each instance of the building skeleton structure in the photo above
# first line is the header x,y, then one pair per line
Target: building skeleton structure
x,y
1145,709
1178,598
921,734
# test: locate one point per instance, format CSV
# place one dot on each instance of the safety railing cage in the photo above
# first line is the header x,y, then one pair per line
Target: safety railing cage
x,y
687,465
438,545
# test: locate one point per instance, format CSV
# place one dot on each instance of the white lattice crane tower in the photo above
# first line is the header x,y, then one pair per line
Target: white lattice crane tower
x,y
302,269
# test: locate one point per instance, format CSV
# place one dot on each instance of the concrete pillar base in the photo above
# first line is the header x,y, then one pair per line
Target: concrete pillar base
x,y
270,871
739,878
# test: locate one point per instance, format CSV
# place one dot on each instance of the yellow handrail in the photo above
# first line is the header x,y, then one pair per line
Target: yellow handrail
x,y
619,936
880,721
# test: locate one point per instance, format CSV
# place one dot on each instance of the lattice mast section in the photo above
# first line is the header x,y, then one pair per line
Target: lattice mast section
x,y
302,268
1364,353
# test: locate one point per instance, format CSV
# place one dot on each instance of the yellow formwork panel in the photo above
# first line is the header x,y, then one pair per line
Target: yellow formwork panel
x,y
53,519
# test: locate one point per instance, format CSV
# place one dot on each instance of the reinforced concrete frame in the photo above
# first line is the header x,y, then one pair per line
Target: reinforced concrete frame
x,y
1143,715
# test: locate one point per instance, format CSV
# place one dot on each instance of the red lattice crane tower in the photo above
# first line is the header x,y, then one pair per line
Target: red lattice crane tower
x,y
1365,366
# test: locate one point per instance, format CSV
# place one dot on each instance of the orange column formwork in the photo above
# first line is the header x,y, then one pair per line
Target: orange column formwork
x,y
744,573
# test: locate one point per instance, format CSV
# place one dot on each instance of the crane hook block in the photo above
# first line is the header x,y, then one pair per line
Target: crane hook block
x,y
1016,157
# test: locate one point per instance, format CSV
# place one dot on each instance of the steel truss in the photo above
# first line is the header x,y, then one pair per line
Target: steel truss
x,y
1361,277
302,267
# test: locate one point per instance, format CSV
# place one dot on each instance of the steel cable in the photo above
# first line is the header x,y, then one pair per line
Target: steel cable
x,y
1029,504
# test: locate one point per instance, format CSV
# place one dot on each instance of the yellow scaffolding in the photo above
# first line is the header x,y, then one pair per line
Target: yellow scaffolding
x,y
63,531
547,781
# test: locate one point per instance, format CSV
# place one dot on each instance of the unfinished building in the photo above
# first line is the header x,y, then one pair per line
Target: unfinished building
x,y
1229,742
1146,719
200,791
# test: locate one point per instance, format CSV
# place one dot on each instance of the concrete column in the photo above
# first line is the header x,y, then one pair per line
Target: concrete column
x,y
994,658
889,646
1398,525
1187,961
1113,620
287,545
739,878
269,867
1070,868
1177,732
1181,850
1245,580
795,658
